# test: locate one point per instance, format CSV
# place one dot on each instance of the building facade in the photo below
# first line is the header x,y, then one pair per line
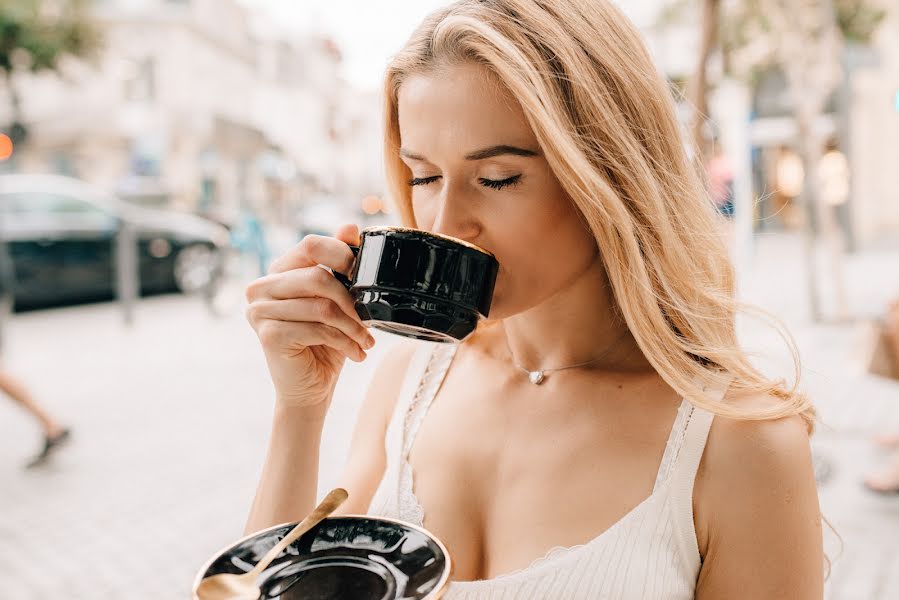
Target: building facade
x,y
874,139
188,106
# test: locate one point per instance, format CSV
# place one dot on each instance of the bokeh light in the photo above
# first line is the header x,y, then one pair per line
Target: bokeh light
x,y
6,147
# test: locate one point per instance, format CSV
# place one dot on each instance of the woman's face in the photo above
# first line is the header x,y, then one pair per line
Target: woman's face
x,y
478,174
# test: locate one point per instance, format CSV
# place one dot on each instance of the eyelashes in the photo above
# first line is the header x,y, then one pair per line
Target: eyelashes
x,y
495,184
423,180
498,184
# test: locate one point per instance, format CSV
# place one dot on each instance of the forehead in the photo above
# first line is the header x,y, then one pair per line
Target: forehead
x,y
458,109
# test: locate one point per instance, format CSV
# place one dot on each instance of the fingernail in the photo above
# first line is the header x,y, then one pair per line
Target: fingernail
x,y
369,342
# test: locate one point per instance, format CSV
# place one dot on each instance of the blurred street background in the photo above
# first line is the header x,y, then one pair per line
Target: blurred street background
x,y
155,155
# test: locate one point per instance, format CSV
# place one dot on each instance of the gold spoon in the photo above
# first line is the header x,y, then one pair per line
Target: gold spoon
x,y
228,586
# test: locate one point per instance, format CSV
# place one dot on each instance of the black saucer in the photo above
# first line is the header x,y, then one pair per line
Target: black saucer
x,y
343,558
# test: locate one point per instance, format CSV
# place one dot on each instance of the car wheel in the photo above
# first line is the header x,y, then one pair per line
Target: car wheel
x,y
196,267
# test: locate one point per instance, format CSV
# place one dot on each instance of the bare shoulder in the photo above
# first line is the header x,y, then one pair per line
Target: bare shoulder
x,y
756,509
748,464
768,449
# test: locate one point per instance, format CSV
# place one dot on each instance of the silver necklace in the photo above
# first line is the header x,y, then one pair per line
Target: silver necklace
x,y
539,376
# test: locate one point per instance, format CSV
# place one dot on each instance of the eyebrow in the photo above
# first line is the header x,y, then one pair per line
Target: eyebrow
x,y
490,152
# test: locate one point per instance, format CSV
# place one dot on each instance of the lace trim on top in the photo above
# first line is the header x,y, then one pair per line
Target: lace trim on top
x,y
438,364
410,509
675,442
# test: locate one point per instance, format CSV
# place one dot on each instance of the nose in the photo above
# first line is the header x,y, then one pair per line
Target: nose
x,y
454,217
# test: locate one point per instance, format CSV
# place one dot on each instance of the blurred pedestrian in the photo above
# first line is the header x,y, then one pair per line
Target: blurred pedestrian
x,y
886,479
721,181
55,435
249,238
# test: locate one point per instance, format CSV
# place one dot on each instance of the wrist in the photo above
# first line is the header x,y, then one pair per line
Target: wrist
x,y
306,415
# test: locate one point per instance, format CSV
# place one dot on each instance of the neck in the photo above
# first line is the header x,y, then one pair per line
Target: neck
x,y
578,324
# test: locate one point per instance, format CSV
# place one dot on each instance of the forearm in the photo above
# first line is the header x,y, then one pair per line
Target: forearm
x,y
288,485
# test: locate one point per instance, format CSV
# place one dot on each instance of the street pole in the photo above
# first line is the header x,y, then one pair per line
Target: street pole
x,y
127,286
7,274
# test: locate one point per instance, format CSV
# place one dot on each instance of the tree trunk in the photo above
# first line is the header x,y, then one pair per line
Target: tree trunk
x,y
805,121
811,149
808,44
698,95
14,101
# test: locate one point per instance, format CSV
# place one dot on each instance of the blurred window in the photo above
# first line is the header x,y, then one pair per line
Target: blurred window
x,y
40,211
140,84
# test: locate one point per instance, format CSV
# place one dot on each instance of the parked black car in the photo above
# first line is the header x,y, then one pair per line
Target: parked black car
x,y
60,233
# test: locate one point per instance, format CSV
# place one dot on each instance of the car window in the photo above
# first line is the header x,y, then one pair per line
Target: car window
x,y
48,204
48,212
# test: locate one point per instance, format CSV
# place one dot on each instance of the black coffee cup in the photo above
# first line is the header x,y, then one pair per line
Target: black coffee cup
x,y
419,284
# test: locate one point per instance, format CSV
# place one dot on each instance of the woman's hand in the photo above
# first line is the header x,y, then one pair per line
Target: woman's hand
x,y
305,319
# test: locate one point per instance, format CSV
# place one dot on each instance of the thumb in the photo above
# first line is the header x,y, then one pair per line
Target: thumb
x,y
348,234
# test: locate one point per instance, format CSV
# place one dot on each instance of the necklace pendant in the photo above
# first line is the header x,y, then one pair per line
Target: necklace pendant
x,y
536,377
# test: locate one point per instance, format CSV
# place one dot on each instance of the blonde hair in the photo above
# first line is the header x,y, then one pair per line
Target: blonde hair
x,y
605,120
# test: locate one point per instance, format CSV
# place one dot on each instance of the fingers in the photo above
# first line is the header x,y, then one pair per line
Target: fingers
x,y
311,282
291,336
349,234
317,250
311,310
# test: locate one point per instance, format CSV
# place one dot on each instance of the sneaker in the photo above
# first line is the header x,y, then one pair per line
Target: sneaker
x,y
884,482
51,444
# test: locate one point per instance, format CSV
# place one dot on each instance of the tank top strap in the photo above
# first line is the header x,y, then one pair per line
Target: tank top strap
x,y
415,373
438,360
674,443
418,372
695,436
683,475
395,434
395,497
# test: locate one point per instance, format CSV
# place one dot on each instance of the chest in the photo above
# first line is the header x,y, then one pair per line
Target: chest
x,y
506,472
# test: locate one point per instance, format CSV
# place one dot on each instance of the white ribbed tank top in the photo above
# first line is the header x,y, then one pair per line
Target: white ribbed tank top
x,y
651,553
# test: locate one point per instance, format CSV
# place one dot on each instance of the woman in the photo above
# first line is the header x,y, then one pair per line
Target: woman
x,y
653,461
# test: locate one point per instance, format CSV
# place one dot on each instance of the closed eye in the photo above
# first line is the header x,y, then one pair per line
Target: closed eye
x,y
423,180
498,184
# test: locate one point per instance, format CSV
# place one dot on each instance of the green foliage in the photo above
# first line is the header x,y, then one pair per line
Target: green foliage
x,y
745,25
38,33
745,21
674,12
858,19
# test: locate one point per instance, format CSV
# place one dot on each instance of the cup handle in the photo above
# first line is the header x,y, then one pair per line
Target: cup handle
x,y
348,281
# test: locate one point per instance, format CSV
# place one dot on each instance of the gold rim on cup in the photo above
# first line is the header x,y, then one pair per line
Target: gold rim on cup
x,y
436,235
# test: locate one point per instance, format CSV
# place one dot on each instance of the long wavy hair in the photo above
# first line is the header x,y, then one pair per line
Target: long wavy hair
x,y
605,120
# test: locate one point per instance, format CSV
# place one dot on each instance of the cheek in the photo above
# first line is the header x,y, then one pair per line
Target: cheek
x,y
541,255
